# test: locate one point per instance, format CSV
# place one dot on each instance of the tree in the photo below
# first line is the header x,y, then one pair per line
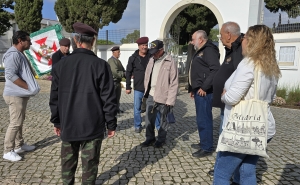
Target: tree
x,y
103,42
213,35
5,16
131,37
28,14
95,13
191,19
292,7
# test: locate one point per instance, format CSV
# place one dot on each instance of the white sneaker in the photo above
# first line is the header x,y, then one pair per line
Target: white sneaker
x,y
24,148
12,156
19,150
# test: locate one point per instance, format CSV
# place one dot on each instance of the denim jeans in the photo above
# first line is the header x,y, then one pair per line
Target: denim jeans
x,y
236,176
228,162
138,96
157,121
242,166
204,120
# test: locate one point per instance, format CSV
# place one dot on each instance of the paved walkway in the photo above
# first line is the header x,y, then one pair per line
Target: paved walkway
x,y
123,161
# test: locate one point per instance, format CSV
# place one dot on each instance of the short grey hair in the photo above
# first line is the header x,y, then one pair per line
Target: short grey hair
x,y
201,33
232,27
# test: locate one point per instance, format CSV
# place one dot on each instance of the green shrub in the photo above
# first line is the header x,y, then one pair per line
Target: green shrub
x,y
294,95
281,92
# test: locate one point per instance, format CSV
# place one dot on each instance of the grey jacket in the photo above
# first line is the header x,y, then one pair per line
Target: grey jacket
x,y
17,66
167,81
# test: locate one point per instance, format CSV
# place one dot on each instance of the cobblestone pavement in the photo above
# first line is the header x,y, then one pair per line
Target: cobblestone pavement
x,y
123,161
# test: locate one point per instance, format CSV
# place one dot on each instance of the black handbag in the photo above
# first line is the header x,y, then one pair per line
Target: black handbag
x,y
170,118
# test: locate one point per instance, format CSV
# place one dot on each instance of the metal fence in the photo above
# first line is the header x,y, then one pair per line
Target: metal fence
x,y
282,22
115,36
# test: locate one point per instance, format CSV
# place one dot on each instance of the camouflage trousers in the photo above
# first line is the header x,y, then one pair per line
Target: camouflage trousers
x,y
90,155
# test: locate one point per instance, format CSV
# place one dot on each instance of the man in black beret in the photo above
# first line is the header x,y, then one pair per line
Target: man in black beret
x,y
135,69
118,73
83,105
64,46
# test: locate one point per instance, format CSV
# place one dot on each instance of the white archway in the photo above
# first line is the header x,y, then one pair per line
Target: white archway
x,y
156,16
177,8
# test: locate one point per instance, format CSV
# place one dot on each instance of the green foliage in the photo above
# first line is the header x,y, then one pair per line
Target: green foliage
x,y
103,42
5,16
131,37
281,92
191,19
185,48
213,35
96,13
28,14
294,95
289,6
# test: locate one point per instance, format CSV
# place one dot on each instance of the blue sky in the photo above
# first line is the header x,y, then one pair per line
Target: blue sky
x,y
130,19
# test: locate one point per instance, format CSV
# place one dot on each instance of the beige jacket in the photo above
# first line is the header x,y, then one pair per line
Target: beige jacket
x,y
167,81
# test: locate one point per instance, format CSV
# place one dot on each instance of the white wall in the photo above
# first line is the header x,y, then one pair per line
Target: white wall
x,y
290,73
156,17
126,51
154,12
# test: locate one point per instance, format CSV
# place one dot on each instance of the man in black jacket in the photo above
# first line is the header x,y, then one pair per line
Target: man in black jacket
x,y
62,52
203,68
231,38
82,103
135,69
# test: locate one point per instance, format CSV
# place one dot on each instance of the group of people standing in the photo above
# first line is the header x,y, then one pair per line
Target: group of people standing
x,y
212,85
86,90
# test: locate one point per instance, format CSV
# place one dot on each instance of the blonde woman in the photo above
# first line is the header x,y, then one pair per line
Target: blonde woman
x,y
259,52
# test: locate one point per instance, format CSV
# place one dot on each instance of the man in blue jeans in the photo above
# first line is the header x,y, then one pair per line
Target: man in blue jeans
x,y
203,67
135,69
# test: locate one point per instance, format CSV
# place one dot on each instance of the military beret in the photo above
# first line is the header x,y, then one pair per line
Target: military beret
x,y
115,48
142,40
64,42
84,29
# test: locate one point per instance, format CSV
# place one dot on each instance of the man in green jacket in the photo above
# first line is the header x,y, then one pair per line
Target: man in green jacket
x,y
118,73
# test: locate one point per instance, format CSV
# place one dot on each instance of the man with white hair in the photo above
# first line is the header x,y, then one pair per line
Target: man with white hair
x,y
231,38
203,68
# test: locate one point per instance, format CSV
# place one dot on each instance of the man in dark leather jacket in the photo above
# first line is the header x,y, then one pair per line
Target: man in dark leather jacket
x,y
135,69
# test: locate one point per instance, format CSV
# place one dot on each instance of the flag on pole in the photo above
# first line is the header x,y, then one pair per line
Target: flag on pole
x,y
45,42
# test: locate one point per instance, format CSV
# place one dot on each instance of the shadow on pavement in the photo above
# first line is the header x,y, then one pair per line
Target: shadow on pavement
x,y
135,160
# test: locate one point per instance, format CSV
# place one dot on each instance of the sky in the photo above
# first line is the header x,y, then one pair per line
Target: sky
x,y
129,20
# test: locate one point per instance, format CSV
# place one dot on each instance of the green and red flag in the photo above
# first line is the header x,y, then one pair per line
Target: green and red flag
x,y
45,42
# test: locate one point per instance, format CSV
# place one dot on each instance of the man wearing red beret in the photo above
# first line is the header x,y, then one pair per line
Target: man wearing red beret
x,y
136,67
83,106
62,52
